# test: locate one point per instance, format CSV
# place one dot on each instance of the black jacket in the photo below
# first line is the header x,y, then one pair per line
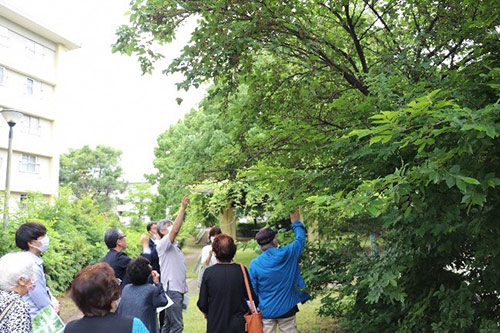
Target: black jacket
x,y
118,261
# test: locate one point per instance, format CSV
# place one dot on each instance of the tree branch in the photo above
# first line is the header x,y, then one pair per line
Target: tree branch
x,y
357,45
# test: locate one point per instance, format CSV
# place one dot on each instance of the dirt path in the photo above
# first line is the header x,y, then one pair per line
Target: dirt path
x,y
191,251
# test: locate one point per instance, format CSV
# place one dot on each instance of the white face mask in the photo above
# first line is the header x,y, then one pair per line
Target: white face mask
x,y
45,244
212,239
169,229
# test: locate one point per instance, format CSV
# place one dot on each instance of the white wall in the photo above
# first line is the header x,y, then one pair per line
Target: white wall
x,y
23,55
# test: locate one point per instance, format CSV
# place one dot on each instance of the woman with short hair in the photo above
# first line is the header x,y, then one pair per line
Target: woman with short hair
x,y
16,278
33,239
223,295
140,298
95,291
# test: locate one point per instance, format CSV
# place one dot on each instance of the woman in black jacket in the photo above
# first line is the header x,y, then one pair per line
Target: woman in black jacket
x,y
223,296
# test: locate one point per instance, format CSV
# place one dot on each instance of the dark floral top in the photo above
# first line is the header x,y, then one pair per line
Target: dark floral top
x,y
17,319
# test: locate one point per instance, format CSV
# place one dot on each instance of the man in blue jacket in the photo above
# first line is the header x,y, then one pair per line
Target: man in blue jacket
x,y
276,278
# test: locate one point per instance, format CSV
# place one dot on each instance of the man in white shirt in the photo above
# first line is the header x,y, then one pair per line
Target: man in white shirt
x,y
173,270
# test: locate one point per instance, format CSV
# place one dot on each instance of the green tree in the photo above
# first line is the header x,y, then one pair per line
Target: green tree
x,y
93,172
376,117
140,197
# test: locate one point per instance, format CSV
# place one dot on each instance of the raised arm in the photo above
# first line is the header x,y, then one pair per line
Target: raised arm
x,y
300,233
178,220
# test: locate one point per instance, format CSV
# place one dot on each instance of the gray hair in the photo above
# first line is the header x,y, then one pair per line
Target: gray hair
x,y
267,246
111,237
162,225
15,265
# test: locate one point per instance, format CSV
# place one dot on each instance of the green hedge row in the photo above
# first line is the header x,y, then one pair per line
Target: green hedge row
x,y
76,229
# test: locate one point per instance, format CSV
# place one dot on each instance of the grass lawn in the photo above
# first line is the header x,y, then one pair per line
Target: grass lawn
x,y
194,251
244,257
307,319
194,322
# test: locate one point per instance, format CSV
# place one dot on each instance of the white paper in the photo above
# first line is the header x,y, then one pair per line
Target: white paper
x,y
250,307
169,303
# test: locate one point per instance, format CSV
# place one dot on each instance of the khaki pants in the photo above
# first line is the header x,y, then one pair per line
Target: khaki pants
x,y
286,325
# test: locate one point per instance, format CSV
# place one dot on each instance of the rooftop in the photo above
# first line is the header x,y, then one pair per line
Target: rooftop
x,y
17,16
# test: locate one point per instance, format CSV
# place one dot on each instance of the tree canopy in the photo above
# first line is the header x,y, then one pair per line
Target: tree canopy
x,y
93,172
377,117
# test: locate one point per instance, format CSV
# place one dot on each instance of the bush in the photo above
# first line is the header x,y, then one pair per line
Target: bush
x,y
76,229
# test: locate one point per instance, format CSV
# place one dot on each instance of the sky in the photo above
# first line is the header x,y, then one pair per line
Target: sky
x,y
104,97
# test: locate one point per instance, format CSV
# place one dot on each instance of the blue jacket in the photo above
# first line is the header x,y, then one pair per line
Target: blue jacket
x,y
276,278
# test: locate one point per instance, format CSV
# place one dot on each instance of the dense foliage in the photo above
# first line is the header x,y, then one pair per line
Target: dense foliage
x,y
76,229
93,172
377,117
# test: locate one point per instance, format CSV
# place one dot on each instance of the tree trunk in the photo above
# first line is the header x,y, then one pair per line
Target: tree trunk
x,y
228,222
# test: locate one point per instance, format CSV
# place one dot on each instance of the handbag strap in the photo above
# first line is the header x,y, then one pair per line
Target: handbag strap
x,y
252,304
6,310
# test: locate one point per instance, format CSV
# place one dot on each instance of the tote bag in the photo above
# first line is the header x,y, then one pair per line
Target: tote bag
x,y
253,319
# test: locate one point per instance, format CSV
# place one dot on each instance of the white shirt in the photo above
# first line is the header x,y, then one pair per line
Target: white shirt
x,y
172,266
205,252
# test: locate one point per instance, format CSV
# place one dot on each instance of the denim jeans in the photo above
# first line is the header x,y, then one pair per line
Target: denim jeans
x,y
173,314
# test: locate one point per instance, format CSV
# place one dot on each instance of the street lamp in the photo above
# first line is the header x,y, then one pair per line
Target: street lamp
x,y
11,117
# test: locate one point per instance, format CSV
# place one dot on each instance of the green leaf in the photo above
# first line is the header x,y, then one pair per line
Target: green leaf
x,y
470,180
407,212
359,133
374,211
461,185
450,180
478,199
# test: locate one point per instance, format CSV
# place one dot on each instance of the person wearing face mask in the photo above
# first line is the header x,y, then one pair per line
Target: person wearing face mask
x,y
207,256
149,245
149,252
16,279
173,270
33,239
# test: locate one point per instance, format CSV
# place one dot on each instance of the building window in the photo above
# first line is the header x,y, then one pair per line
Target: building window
x,y
29,86
22,200
29,164
2,75
30,125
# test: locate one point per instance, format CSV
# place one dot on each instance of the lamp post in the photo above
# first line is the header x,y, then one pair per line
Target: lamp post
x,y
11,117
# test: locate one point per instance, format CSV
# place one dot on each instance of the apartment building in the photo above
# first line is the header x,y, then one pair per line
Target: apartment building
x,y
29,64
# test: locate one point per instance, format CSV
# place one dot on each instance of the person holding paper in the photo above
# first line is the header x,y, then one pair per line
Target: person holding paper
x,y
173,270
223,295
16,279
33,239
140,298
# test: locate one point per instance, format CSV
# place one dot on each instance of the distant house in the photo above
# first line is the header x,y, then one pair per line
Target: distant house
x,y
29,65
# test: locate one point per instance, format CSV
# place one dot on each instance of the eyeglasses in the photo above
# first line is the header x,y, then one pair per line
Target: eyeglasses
x,y
122,236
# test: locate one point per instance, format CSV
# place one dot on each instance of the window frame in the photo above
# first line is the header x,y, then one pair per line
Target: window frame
x,y
29,164
26,125
30,89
